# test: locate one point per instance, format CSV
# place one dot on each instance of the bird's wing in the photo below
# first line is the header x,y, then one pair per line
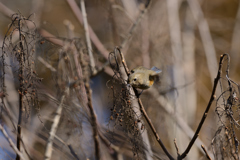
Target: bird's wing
x,y
156,71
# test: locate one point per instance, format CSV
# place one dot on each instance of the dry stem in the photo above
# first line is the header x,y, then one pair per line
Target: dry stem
x,y
11,143
154,130
48,152
207,155
21,82
168,108
92,35
135,24
184,154
89,45
93,121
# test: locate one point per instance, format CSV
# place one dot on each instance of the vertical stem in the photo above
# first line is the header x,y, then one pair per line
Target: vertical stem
x,y
93,116
89,46
21,65
93,122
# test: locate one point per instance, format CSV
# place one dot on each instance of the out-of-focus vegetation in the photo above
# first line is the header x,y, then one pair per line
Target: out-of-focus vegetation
x,y
77,105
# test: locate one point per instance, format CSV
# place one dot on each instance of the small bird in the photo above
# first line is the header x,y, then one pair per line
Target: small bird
x,y
142,77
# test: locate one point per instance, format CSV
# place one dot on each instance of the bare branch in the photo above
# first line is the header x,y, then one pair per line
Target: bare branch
x,y
92,35
11,143
48,152
73,152
5,10
207,155
47,65
135,24
154,130
93,121
21,91
93,116
51,37
176,146
184,154
89,45
168,108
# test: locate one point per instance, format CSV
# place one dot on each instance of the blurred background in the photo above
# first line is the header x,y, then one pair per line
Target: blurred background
x,y
184,38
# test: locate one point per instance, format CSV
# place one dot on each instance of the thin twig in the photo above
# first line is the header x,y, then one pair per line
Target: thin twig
x,y
108,144
134,25
48,152
47,65
93,116
11,143
48,36
169,109
89,45
72,151
177,149
92,35
184,154
79,70
153,129
207,155
93,121
143,110
15,128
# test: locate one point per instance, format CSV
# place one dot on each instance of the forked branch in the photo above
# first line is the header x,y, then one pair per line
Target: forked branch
x,y
184,154
216,80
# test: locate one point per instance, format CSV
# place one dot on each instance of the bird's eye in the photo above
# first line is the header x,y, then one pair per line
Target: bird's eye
x,y
132,71
134,79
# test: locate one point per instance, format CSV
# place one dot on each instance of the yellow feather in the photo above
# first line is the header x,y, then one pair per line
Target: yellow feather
x,y
151,82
